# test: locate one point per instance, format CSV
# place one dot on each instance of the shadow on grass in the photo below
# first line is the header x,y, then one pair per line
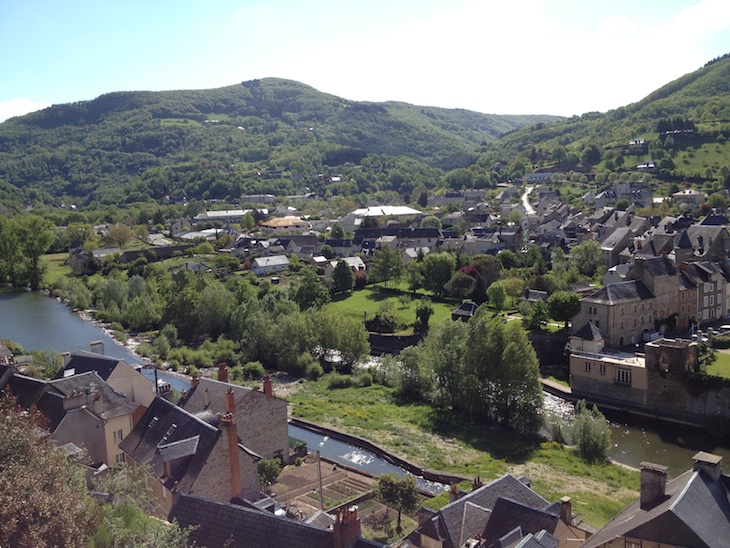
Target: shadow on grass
x,y
497,441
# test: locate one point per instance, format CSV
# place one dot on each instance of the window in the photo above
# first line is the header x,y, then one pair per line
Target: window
x,y
630,544
712,300
705,301
118,436
587,367
623,376
682,309
120,458
602,368
598,324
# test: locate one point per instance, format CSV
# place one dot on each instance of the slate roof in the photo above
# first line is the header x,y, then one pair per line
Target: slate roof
x,y
620,292
695,512
589,332
210,395
151,442
509,514
82,361
656,266
112,403
219,524
447,523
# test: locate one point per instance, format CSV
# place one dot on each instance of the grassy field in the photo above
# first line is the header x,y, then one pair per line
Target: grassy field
x,y
721,367
57,268
367,302
439,439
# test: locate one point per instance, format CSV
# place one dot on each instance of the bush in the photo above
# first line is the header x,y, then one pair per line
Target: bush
x,y
193,371
252,371
722,341
337,381
314,371
590,432
298,461
361,279
365,379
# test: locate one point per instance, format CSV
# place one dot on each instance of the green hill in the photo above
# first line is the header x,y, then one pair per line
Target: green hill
x,y
213,143
700,99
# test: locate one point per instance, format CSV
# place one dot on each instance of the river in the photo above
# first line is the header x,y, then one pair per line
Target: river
x,y
38,322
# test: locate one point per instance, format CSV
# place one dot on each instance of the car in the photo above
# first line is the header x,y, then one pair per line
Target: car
x,y
723,330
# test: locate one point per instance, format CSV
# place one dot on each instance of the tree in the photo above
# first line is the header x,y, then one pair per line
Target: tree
x,y
538,316
337,232
387,265
248,222
497,295
460,285
36,476
34,236
513,287
268,471
587,257
414,275
343,279
563,305
310,293
424,311
437,271
120,234
590,432
431,221
400,493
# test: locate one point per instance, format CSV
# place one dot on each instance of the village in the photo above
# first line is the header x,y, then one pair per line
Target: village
x,y
635,343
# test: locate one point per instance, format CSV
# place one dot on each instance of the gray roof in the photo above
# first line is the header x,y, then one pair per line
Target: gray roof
x,y
83,361
447,523
695,512
589,332
161,425
509,514
219,524
634,290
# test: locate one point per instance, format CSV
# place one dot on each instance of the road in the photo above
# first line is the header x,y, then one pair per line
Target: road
x,y
526,202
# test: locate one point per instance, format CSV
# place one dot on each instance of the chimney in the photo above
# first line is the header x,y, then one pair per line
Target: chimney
x,y
476,483
346,528
223,372
708,464
97,347
66,358
205,395
566,511
229,424
684,266
653,483
267,387
454,492
195,381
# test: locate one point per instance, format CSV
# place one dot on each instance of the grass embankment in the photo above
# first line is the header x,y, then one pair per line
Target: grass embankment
x,y
58,268
442,440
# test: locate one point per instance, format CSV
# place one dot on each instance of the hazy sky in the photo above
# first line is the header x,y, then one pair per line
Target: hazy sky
x,y
559,57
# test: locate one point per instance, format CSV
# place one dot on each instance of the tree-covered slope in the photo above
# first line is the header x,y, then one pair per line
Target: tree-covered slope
x,y
702,97
161,141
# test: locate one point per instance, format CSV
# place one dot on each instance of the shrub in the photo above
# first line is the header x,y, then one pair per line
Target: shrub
x,y
590,432
337,381
193,371
298,461
365,379
361,279
252,371
722,341
314,371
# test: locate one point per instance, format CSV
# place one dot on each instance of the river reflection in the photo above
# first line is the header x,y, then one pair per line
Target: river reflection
x,y
38,322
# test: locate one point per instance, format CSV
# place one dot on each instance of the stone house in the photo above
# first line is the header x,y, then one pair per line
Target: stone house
x,y
261,417
80,409
124,378
690,510
500,513
198,454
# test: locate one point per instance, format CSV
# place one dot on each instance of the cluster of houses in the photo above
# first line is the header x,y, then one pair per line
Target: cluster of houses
x,y
201,455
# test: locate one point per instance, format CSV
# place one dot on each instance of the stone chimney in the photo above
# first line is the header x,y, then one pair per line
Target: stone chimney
x,y
267,387
97,347
566,510
195,381
229,425
454,492
653,484
708,464
66,358
223,372
346,528
476,483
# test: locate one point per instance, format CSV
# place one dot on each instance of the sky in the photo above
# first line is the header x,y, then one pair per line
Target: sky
x,y
561,57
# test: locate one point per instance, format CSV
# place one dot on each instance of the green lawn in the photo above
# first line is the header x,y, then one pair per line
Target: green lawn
x,y
721,367
440,439
366,302
57,268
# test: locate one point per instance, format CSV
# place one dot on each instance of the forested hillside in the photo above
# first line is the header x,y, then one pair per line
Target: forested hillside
x,y
134,146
